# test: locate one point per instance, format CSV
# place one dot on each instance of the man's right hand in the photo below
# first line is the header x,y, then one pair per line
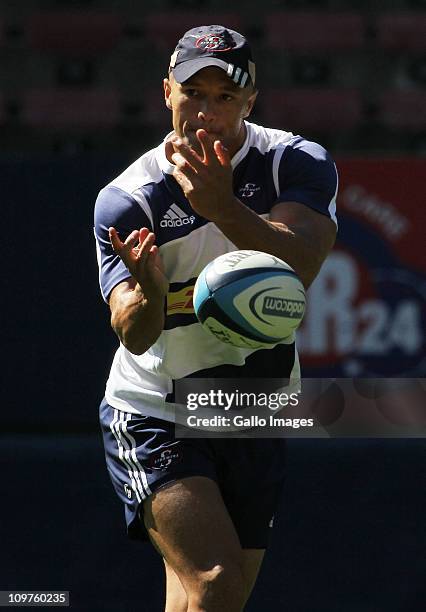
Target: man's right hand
x,y
143,260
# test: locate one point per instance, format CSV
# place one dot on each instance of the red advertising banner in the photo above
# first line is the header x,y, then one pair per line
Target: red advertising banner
x,y
366,310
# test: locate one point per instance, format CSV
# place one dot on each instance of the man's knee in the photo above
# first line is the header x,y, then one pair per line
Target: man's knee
x,y
220,588
173,605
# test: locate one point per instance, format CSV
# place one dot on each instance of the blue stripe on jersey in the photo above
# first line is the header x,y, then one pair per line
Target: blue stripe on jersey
x,y
172,213
276,362
114,207
180,320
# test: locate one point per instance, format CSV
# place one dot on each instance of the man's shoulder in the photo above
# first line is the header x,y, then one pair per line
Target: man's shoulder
x,y
141,172
265,138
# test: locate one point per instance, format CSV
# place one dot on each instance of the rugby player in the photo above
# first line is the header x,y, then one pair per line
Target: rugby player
x,y
216,183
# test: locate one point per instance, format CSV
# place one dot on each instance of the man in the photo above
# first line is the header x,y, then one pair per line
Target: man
x,y
215,184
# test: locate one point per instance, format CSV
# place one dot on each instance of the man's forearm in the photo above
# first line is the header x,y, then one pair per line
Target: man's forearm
x,y
137,321
249,231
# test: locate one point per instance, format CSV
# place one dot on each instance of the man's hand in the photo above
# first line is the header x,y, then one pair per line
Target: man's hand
x,y
142,258
206,181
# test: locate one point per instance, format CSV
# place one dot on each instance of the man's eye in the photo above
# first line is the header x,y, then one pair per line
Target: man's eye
x,y
227,97
191,92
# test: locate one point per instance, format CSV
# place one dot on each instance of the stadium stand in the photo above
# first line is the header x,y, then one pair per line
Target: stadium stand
x,y
155,112
401,31
310,70
416,70
70,108
74,33
312,109
102,62
403,109
164,29
2,109
309,31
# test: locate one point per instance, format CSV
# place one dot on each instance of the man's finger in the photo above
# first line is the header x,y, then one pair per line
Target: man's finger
x,y
143,233
158,261
169,149
183,166
131,240
222,153
181,145
145,245
185,157
207,147
117,245
184,182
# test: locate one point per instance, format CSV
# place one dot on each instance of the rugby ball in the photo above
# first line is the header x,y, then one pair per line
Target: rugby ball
x,y
249,299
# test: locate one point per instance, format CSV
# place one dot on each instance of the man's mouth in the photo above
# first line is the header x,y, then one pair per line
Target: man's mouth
x,y
209,132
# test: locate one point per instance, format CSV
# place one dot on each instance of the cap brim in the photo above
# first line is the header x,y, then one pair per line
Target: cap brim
x,y
186,70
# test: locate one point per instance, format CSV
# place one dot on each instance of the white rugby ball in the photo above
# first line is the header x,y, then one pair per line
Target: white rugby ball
x,y
249,299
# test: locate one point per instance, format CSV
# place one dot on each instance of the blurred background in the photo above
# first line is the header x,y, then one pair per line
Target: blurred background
x,y
80,99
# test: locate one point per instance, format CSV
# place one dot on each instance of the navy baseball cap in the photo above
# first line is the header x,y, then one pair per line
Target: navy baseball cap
x,y
213,45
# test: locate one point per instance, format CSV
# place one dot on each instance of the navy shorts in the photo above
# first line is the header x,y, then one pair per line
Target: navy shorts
x,y
142,454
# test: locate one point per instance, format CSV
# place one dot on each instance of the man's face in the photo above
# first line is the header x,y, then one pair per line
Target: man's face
x,y
212,101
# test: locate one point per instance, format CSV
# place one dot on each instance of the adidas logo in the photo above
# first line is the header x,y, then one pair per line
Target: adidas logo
x,y
175,217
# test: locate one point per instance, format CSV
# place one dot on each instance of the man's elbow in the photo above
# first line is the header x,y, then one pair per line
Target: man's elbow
x,y
136,346
311,271
133,340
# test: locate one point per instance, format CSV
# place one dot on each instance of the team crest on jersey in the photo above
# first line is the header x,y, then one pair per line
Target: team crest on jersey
x,y
212,42
163,459
248,190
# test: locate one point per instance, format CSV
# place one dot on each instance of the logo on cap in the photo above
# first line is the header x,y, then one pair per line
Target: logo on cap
x,y
212,42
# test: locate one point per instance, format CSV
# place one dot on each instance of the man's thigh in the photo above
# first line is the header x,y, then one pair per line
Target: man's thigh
x,y
143,456
252,562
189,524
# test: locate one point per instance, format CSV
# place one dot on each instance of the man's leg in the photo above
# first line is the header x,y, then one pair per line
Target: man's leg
x,y
176,597
188,522
252,561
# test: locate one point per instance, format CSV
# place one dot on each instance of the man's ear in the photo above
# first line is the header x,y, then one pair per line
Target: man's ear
x,y
167,93
248,107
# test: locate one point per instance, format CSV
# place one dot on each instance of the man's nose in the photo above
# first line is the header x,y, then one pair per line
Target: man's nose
x,y
207,112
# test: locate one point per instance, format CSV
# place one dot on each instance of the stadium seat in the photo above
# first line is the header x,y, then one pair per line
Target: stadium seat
x,y
310,70
164,29
403,109
313,109
2,108
416,70
71,33
402,31
308,31
70,108
155,113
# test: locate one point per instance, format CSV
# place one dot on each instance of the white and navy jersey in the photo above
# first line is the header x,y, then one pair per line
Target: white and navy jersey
x,y
272,166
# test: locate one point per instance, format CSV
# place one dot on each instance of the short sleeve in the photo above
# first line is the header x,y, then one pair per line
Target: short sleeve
x,y
114,208
307,174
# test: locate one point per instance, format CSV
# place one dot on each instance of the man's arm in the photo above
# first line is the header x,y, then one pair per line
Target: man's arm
x,y
137,304
296,233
